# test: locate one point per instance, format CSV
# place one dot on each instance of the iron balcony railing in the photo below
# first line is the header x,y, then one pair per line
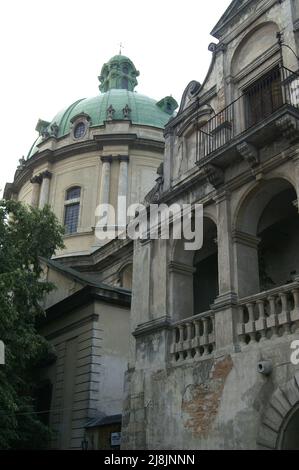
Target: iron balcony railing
x,y
275,89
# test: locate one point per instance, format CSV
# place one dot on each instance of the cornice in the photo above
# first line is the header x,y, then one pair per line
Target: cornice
x,y
151,326
198,178
73,149
103,256
219,30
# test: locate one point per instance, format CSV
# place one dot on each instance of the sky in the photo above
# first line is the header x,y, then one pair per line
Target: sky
x,y
52,53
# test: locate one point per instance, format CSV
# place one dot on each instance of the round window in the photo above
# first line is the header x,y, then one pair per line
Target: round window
x,y
79,130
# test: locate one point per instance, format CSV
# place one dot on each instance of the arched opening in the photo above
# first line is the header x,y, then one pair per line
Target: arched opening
x,y
278,230
267,237
290,433
205,263
194,275
259,82
257,42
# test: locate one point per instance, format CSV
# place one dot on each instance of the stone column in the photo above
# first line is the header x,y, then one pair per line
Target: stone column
x,y
36,182
45,188
105,180
247,264
225,305
122,190
225,247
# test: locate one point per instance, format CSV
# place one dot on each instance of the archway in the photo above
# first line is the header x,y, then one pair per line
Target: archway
x,y
278,230
205,264
194,275
289,438
266,237
280,422
257,42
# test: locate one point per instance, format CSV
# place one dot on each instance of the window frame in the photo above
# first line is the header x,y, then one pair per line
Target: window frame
x,y
84,128
72,202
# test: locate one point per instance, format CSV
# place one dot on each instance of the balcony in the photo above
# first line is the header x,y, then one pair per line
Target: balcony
x,y
269,315
260,318
193,338
268,108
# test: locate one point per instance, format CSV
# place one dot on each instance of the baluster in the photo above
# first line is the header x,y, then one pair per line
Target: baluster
x,y
188,340
197,339
284,316
205,336
250,327
272,320
212,317
261,323
181,341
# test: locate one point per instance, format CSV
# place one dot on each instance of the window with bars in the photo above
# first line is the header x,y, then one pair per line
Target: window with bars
x,y
263,97
72,209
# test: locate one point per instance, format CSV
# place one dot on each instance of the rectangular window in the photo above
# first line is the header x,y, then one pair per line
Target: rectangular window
x,y
71,217
263,97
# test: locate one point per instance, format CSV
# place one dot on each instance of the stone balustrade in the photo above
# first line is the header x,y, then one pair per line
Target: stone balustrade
x,y
269,314
193,338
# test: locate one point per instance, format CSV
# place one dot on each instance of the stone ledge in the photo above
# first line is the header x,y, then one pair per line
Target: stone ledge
x,y
152,325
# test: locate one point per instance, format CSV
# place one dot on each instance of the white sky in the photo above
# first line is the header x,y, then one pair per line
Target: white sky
x,y
52,53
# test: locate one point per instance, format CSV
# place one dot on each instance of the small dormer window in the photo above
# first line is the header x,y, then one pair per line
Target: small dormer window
x,y
125,69
79,130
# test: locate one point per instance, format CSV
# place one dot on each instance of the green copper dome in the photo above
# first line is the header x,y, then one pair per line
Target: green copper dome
x,y
117,102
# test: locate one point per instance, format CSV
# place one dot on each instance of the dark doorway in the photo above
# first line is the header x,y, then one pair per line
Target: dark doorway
x,y
205,283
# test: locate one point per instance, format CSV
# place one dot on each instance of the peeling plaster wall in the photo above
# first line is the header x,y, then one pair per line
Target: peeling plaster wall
x,y
211,404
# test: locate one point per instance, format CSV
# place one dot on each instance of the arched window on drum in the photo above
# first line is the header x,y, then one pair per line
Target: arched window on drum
x,y
72,209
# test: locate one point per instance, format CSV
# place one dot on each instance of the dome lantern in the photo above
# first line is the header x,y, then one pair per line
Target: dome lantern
x,y
118,73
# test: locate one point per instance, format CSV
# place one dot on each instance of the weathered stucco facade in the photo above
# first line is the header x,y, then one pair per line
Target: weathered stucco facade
x,y
210,352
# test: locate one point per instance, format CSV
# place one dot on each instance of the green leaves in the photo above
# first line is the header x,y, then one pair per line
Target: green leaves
x,y
25,235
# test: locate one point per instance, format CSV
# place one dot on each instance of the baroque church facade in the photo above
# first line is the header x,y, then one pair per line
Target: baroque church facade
x,y
179,349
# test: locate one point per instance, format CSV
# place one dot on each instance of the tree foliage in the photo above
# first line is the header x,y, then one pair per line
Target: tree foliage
x,y
25,235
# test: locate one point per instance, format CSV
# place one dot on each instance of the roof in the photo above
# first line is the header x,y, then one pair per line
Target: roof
x,y
143,111
82,278
91,290
117,83
231,11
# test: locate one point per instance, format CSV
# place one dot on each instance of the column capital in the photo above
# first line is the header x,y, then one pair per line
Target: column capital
x,y
37,179
46,174
106,158
228,299
123,158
